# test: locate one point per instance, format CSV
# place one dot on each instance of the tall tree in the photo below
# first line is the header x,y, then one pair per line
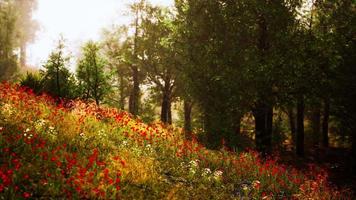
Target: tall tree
x,y
8,59
134,99
26,26
116,52
91,74
159,56
56,78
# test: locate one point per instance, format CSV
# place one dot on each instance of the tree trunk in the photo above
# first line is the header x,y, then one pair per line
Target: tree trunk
x,y
134,96
169,114
300,127
263,127
325,130
165,105
269,127
353,150
187,118
292,124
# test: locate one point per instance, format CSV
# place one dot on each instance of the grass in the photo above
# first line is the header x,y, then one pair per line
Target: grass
x,y
80,151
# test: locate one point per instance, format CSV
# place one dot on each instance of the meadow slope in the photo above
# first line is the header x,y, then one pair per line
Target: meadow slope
x,y
79,151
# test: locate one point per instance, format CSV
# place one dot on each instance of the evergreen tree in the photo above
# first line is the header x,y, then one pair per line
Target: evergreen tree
x,y
91,74
56,78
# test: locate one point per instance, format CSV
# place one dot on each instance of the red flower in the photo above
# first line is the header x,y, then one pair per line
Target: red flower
x,y
26,195
26,176
123,163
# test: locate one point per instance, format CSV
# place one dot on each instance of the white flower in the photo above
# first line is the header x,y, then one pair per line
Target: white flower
x,y
206,171
193,163
245,187
218,173
81,134
27,130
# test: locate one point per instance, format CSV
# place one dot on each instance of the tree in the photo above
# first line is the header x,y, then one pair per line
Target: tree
x,y
240,47
56,78
159,56
91,74
8,59
116,52
16,29
26,26
134,99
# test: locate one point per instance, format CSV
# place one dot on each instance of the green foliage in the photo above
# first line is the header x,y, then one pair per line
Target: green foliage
x,y
32,81
117,52
56,77
91,73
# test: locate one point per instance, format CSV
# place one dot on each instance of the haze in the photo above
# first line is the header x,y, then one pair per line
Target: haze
x,y
78,21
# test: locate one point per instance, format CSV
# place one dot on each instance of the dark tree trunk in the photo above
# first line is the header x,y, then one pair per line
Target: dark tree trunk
x,y
292,124
300,127
263,127
165,104
325,126
169,114
353,150
269,127
187,118
135,93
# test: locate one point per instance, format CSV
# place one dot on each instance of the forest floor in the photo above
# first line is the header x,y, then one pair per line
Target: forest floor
x,y
337,161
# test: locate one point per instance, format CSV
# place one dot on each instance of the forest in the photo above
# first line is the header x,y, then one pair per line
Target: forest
x,y
206,99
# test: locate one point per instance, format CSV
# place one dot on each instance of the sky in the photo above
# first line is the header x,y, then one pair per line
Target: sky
x,y
78,21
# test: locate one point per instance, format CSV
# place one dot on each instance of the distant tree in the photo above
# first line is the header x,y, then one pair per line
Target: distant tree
x,y
116,51
134,99
26,26
8,58
17,28
91,74
56,78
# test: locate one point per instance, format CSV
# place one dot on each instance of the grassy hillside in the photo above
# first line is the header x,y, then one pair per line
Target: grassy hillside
x,y
83,152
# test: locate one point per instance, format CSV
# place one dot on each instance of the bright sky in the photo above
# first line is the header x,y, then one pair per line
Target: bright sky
x,y
78,21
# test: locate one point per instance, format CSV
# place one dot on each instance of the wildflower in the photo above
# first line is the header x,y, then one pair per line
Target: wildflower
x,y
193,163
26,176
244,187
26,195
256,184
206,171
123,163
217,175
